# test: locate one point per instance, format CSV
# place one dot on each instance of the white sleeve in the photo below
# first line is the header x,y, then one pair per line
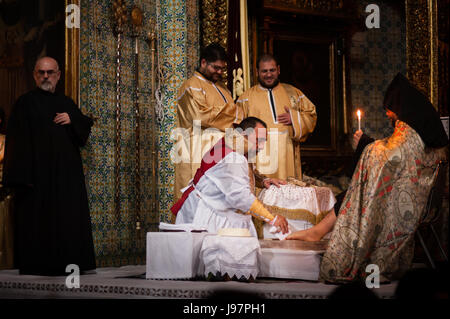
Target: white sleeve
x,y
231,178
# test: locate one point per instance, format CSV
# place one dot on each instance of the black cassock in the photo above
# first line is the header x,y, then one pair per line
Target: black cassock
x,y
43,164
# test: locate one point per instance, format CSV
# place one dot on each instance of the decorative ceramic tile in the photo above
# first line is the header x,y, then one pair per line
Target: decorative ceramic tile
x,y
377,56
116,240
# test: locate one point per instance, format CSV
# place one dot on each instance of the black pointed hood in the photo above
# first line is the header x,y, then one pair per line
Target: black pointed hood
x,y
414,108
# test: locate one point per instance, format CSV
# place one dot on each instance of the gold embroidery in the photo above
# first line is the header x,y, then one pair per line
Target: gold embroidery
x,y
297,214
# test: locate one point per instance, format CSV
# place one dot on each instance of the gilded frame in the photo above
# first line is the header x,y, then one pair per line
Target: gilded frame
x,y
421,46
72,59
332,67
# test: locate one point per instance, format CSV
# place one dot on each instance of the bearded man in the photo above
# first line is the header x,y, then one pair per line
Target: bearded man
x,y
43,165
205,110
290,117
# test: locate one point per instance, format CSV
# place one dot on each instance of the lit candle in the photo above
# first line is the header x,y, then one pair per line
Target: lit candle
x,y
358,113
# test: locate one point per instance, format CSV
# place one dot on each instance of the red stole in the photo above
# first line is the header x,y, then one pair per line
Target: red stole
x,y
215,155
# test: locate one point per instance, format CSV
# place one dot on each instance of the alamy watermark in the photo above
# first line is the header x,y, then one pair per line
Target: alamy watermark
x,y
73,280
73,17
192,144
373,279
373,19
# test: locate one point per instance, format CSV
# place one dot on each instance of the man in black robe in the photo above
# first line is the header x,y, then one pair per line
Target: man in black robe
x,y
43,165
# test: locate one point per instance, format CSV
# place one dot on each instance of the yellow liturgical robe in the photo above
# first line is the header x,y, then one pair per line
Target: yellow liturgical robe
x,y
205,110
277,158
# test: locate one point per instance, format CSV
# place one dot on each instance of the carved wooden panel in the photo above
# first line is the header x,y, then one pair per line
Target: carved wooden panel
x,y
311,53
421,46
214,17
443,10
328,7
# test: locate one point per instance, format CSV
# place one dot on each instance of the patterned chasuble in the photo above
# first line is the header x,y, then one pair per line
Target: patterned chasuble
x,y
382,208
277,158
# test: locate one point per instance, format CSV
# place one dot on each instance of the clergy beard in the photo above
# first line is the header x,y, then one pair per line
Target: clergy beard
x,y
208,77
46,86
275,83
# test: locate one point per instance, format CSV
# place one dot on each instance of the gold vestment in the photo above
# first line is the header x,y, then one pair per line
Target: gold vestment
x,y
212,105
277,158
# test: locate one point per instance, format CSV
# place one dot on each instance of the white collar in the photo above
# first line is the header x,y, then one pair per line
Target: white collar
x,y
266,89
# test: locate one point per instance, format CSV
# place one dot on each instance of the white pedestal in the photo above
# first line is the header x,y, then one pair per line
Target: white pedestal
x,y
185,255
174,255
289,263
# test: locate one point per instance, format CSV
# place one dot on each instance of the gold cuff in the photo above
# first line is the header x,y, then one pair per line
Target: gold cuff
x,y
259,211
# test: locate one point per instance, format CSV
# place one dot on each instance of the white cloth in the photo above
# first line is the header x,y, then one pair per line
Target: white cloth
x,y
235,256
180,227
174,255
222,190
274,231
315,200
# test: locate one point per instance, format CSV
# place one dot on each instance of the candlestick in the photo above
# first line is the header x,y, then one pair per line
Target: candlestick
x,y
358,113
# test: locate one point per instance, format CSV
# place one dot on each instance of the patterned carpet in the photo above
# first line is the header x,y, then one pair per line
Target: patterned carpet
x,y
129,282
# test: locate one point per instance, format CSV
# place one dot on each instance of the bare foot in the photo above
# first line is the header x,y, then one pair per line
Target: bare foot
x,y
305,235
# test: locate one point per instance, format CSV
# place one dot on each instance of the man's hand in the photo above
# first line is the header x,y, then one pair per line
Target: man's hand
x,y
356,138
285,118
281,223
273,181
62,118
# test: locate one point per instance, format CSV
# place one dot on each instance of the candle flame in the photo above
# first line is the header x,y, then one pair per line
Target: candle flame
x,y
358,113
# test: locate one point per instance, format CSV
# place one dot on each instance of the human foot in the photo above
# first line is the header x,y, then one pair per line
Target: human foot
x,y
305,235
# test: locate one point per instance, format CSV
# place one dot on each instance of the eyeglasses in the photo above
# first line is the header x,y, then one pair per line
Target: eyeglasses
x,y
218,68
49,72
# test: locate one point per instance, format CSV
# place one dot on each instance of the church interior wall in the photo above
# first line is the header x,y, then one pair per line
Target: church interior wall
x,y
377,55
116,240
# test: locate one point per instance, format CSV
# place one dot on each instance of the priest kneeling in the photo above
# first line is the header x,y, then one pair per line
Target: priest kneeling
x,y
220,195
